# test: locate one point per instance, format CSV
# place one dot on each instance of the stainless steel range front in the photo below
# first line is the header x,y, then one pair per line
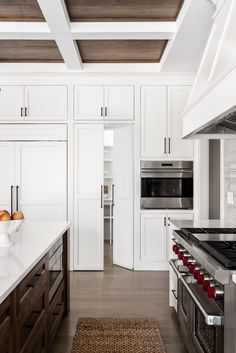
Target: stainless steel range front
x,y
167,185
206,304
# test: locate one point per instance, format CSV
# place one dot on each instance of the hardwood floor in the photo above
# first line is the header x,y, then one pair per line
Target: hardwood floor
x,y
120,293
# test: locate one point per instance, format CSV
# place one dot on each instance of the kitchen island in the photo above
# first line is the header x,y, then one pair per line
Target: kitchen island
x,y
34,287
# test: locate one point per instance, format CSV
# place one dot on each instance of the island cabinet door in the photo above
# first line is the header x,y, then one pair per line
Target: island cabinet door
x,y
7,175
41,169
88,202
6,327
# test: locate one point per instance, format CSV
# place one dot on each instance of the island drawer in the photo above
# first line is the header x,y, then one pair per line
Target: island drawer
x,y
56,311
5,326
31,288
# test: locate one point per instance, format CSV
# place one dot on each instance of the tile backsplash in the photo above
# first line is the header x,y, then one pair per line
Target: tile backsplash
x,y
230,179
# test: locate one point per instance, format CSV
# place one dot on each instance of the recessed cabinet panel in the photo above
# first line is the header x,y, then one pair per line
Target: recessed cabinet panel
x,y
153,238
11,102
177,99
153,121
7,175
119,102
88,102
88,231
41,177
46,102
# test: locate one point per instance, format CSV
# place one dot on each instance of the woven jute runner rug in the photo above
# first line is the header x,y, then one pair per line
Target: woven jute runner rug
x,y
115,335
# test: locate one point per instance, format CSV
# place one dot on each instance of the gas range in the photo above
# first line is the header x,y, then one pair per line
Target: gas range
x,y
205,267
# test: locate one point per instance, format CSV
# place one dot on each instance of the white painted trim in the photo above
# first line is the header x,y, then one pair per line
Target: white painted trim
x,y
25,30
57,18
122,30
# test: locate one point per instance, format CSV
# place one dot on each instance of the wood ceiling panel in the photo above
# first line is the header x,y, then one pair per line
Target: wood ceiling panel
x,y
20,10
124,10
29,51
121,51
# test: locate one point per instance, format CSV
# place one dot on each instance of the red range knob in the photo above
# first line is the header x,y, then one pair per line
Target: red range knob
x,y
192,268
174,247
200,277
206,281
196,271
208,284
181,254
211,292
186,260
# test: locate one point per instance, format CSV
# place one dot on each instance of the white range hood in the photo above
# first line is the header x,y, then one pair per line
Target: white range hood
x,y
211,109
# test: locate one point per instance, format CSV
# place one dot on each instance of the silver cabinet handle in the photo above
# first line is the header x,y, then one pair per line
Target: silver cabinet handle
x,y
21,111
12,187
210,319
17,197
164,221
101,196
165,145
174,293
105,111
101,111
26,111
169,144
113,195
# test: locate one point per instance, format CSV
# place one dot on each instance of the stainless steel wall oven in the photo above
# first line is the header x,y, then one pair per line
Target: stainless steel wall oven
x,y
167,185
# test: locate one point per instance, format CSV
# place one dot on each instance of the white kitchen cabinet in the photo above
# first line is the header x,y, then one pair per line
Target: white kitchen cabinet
x,y
156,239
177,99
33,179
88,205
11,102
93,102
153,121
153,237
7,175
161,122
119,103
35,102
46,102
88,102
41,180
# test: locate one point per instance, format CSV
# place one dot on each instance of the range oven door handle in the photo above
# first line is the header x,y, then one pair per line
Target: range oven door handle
x,y
211,320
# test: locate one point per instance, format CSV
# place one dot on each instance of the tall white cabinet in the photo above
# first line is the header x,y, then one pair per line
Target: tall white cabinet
x,y
88,193
34,179
161,122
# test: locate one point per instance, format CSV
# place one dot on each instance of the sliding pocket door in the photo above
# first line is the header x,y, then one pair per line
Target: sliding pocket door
x,y
88,203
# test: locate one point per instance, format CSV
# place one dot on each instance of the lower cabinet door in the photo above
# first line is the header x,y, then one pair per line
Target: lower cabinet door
x,y
5,327
153,237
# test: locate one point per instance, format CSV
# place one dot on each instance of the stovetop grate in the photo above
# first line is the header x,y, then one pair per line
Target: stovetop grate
x,y
223,251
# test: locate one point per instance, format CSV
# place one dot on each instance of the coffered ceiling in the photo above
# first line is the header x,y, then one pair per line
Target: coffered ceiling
x,y
79,33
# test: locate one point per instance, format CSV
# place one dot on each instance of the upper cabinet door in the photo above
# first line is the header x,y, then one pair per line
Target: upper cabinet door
x,y
41,179
11,102
46,102
177,99
7,175
153,122
119,102
89,102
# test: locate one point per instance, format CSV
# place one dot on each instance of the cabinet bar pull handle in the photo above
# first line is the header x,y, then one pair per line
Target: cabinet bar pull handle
x,y
17,197
12,198
169,144
169,221
21,112
164,221
25,111
165,145
101,111
105,111
113,195
101,196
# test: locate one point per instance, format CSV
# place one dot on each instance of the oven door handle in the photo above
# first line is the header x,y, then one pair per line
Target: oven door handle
x,y
211,320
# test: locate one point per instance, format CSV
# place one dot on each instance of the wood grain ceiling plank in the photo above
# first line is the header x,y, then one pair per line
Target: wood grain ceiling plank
x,y
124,10
20,10
29,51
121,51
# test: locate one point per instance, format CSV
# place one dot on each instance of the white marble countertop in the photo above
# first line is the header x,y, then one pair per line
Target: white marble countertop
x,y
31,243
202,223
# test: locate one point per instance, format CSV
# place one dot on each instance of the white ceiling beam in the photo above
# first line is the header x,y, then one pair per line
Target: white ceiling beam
x,y
24,30
123,30
56,16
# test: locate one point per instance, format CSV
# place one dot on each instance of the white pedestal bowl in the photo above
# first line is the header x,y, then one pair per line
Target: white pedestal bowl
x,y
6,229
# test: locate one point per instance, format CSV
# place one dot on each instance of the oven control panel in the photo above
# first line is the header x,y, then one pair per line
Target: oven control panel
x,y
213,289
